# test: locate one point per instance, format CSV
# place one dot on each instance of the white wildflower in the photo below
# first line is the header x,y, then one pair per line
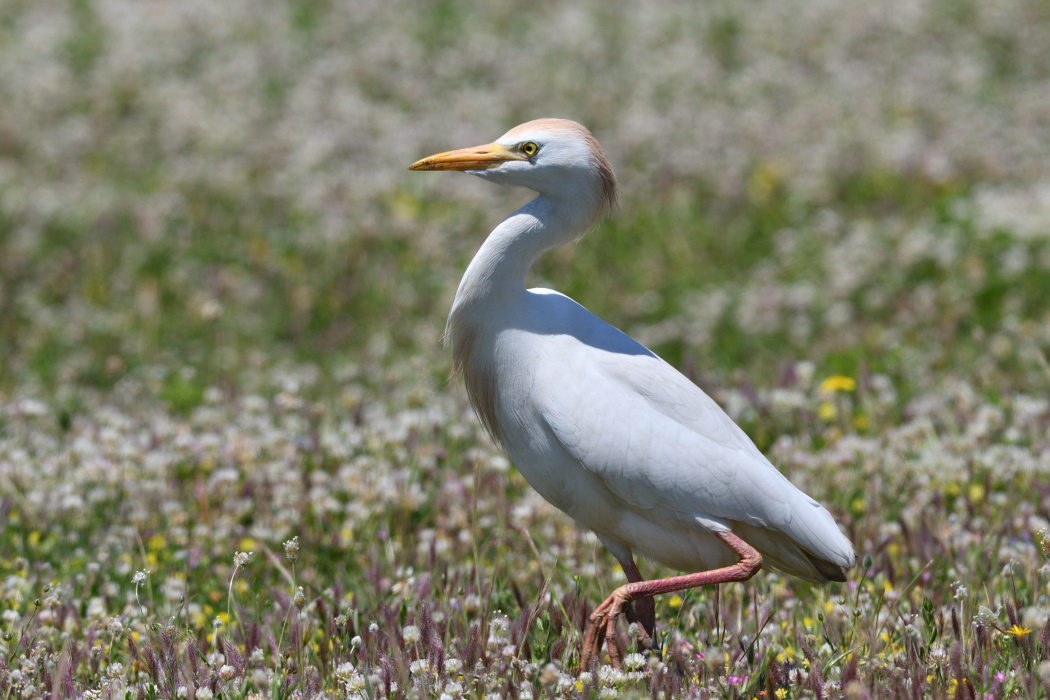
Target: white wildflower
x,y
634,661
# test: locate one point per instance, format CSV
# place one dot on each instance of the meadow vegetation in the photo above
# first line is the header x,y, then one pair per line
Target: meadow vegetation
x,y
231,464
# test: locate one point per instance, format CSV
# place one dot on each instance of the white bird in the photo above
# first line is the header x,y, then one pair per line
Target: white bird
x,y
604,429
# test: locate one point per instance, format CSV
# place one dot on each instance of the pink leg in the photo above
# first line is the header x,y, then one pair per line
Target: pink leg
x,y
603,619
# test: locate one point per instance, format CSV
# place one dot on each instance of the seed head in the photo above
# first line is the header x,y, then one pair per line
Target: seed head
x,y
291,549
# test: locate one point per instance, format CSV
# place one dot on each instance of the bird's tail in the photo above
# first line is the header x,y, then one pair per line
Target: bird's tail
x,y
783,552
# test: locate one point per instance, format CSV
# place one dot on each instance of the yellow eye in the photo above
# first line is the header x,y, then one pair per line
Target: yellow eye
x,y
529,148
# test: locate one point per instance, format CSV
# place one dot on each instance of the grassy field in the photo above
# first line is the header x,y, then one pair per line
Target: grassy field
x,y
231,464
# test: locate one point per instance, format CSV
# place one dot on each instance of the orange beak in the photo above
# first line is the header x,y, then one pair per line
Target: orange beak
x,y
476,158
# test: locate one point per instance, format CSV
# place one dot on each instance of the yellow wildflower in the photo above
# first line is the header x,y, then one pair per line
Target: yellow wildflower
x,y
1018,631
837,382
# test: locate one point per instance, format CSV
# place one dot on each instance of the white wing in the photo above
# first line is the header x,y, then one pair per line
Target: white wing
x,y
660,444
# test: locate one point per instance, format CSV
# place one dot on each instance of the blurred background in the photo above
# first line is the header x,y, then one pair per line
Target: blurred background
x,y
195,191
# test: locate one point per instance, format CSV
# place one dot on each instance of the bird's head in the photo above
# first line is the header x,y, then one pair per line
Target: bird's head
x,y
554,157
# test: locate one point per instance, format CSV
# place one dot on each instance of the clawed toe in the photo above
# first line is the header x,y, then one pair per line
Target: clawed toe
x,y
602,628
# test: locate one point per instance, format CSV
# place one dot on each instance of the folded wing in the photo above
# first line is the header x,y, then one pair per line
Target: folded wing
x,y
657,441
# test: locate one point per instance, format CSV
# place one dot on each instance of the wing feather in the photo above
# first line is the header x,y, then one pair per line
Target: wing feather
x,y
657,441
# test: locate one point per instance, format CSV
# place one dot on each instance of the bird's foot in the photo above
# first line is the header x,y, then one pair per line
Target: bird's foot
x,y
602,626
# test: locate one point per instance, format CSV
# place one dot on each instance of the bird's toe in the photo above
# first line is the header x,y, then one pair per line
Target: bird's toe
x,y
643,612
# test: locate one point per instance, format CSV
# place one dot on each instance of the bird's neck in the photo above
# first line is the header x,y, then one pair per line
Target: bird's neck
x,y
496,275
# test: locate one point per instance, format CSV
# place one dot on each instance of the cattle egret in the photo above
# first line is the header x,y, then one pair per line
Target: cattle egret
x,y
598,424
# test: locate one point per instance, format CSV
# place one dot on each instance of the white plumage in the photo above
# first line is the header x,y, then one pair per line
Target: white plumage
x,y
603,428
